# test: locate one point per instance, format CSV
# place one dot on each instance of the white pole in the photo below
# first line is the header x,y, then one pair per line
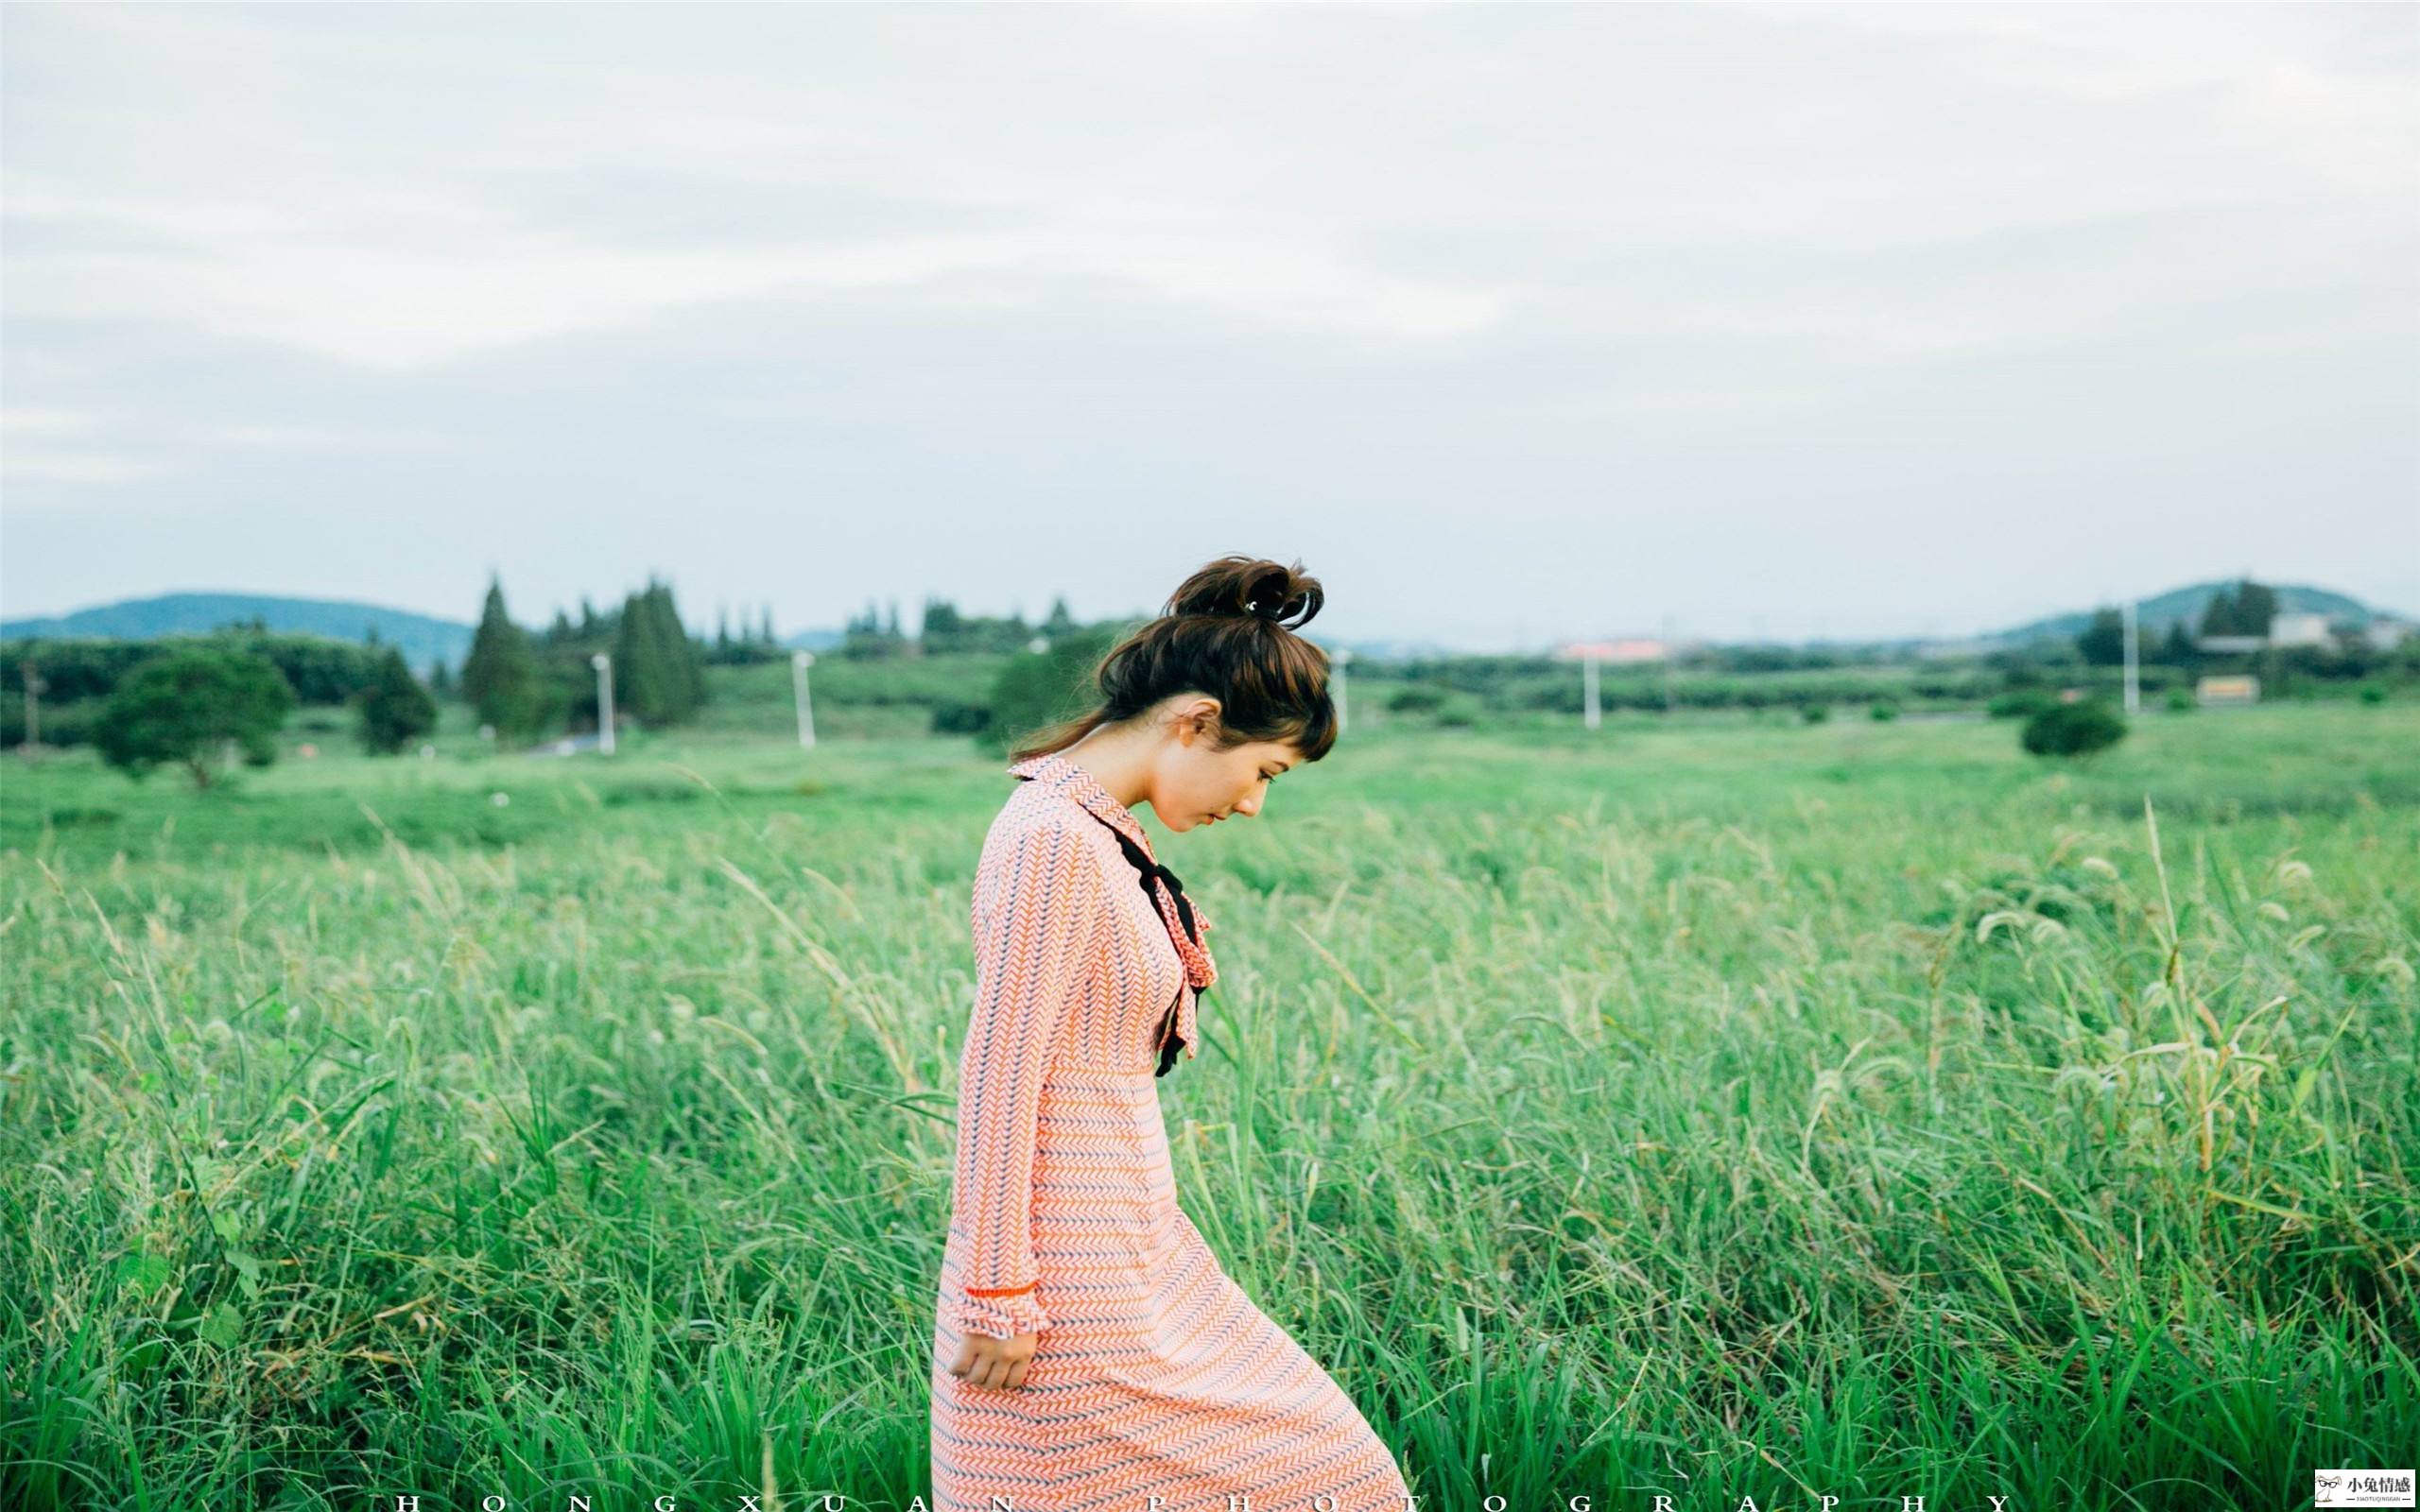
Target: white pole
x,y
604,665
1588,685
1338,660
800,661
2133,665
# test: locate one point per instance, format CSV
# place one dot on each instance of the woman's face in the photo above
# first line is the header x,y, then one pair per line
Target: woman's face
x,y
1195,784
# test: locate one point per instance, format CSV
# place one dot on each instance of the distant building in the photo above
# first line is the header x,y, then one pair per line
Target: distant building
x,y
2299,629
1613,653
2212,692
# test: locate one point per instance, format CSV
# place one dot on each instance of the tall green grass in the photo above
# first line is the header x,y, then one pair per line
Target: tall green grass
x,y
1715,1111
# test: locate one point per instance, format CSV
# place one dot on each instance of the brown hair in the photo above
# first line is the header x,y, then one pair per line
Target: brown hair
x,y
1228,631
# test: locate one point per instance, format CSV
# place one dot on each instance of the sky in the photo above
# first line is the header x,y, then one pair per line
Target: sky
x,y
1510,323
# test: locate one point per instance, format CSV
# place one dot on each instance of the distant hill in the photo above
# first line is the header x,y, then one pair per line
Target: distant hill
x,y
422,638
2155,616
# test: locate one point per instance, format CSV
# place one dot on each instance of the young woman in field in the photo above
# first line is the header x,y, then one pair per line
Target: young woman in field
x,y
1088,1352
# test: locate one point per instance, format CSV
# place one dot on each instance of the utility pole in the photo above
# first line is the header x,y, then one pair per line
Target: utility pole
x,y
604,665
800,661
1588,687
2133,666
1343,656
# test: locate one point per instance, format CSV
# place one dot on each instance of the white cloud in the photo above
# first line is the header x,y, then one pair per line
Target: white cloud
x,y
554,265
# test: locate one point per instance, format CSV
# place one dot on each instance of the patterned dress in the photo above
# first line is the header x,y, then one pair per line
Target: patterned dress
x,y
1154,1376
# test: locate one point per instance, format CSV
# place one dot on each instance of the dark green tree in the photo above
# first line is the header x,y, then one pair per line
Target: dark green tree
x,y
642,684
2245,609
395,710
500,676
943,630
183,707
2103,640
659,673
686,658
2177,649
2255,606
1059,622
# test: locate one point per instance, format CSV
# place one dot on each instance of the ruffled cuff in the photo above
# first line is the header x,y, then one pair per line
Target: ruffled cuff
x,y
1002,1318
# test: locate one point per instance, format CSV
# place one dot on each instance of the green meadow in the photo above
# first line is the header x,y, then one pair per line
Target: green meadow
x,y
1703,1107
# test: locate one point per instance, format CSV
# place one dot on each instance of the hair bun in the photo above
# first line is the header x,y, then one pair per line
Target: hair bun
x,y
1252,587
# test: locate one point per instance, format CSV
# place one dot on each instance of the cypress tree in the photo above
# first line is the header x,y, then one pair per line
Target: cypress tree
x,y
500,676
638,667
681,654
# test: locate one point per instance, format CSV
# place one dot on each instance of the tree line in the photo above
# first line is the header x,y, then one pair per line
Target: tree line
x,y
523,685
947,632
193,701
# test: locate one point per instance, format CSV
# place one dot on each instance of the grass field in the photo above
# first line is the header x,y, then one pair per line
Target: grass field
x,y
1708,1108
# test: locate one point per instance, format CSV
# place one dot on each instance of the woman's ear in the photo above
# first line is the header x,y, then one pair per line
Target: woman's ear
x,y
1197,717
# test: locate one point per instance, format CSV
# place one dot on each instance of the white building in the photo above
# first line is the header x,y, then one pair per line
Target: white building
x,y
2299,629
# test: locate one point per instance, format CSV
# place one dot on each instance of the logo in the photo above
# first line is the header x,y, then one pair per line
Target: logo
x,y
2362,1489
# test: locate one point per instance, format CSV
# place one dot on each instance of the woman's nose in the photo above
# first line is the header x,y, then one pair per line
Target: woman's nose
x,y
1249,805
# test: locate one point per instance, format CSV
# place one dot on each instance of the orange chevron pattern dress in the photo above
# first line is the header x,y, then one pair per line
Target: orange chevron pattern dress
x,y
1154,1376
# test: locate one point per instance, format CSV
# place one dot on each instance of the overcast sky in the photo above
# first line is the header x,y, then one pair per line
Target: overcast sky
x,y
1510,322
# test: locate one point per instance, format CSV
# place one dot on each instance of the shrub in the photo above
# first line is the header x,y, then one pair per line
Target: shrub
x,y
2373,692
1814,713
2180,701
955,717
2076,729
1416,700
1883,711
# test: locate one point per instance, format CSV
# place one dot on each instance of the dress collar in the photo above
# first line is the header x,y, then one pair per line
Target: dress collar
x,y
1057,774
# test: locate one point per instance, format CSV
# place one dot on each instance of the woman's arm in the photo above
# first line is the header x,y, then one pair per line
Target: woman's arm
x,y
1033,913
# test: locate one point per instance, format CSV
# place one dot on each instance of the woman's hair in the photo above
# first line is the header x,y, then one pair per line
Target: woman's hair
x,y
1228,631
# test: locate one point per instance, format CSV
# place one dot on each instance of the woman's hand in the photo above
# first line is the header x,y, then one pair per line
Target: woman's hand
x,y
984,1361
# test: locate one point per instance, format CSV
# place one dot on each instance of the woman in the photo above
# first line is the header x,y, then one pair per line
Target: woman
x,y
1088,1352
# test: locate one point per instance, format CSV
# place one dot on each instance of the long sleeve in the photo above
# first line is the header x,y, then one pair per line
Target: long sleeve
x,y
1033,913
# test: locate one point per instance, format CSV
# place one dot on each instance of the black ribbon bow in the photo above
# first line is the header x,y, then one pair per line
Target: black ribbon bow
x,y
1150,872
